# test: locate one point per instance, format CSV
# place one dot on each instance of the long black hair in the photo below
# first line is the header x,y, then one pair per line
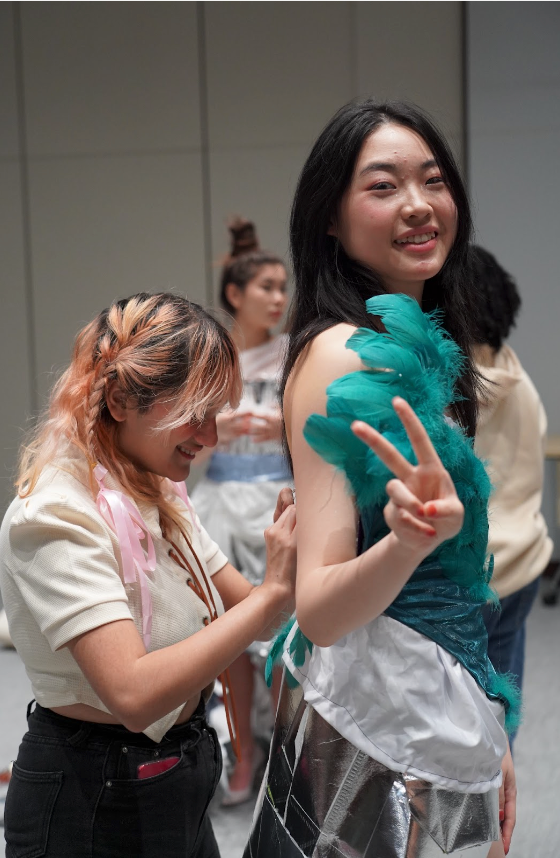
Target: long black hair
x,y
499,300
329,286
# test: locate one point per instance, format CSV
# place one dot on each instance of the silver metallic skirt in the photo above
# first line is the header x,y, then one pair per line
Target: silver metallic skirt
x,y
322,798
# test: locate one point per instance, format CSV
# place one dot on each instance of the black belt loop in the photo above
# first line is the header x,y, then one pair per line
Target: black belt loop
x,y
29,706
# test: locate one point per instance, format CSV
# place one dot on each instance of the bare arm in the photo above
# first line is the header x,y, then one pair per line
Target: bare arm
x,y
336,591
139,688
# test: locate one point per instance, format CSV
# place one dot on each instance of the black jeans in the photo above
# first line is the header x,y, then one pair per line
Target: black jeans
x,y
75,793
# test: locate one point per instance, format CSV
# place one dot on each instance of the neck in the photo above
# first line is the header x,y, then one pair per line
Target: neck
x,y
247,337
413,290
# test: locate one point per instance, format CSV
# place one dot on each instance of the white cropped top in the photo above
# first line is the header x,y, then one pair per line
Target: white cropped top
x,y
61,576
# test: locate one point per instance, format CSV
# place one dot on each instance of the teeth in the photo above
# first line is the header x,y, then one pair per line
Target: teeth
x,y
417,239
183,450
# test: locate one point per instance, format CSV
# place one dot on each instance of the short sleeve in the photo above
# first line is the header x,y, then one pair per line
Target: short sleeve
x,y
211,553
63,562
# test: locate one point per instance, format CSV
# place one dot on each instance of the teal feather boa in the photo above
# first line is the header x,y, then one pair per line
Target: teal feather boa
x,y
415,359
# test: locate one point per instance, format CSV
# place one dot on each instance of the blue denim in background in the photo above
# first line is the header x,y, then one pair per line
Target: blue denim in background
x,y
75,793
507,632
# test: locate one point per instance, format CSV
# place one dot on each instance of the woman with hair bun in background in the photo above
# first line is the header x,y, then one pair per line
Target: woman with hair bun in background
x,y
237,497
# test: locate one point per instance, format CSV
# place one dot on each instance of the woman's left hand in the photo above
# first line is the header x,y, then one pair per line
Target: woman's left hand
x,y
424,509
508,798
266,427
284,500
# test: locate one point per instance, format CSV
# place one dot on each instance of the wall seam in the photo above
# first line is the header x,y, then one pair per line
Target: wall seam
x,y
465,90
205,151
25,206
353,50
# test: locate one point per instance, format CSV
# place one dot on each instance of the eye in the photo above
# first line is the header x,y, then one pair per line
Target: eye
x,y
382,186
435,180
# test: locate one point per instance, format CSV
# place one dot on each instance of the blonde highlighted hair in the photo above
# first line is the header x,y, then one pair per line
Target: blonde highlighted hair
x,y
157,348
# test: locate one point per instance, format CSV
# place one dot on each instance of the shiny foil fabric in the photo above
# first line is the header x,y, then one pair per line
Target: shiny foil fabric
x,y
322,798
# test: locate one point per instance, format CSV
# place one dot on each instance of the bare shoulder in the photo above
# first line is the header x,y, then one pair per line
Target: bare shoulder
x,y
326,359
332,343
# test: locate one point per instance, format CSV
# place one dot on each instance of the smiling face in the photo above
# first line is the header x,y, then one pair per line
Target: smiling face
x,y
165,453
260,304
397,215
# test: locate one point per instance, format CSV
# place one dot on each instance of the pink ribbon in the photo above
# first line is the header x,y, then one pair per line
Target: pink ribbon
x,y
181,489
124,519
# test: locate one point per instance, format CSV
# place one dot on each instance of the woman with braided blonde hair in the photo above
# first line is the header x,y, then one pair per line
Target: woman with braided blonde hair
x,y
122,608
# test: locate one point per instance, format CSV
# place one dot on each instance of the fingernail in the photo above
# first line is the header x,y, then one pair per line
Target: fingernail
x,y
420,512
502,815
431,509
431,532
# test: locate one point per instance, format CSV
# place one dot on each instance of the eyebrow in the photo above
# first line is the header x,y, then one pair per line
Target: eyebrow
x,y
392,168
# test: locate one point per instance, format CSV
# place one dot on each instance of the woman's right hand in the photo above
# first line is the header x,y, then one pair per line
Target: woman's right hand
x,y
280,540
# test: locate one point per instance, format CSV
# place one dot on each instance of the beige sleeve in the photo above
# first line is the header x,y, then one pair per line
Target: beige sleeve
x,y
211,553
65,567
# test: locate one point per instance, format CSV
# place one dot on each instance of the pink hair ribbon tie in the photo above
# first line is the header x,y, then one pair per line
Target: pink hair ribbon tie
x,y
181,490
126,522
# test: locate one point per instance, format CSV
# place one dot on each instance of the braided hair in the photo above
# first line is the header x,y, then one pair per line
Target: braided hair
x,y
157,348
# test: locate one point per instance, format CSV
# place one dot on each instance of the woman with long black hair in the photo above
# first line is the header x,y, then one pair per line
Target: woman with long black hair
x,y
389,736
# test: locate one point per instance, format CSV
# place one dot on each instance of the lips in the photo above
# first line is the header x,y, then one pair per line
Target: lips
x,y
188,454
420,238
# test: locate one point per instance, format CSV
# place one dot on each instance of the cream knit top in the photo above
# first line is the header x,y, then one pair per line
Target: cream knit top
x,y
61,576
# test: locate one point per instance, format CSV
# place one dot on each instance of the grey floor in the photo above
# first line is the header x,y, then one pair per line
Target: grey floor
x,y
537,751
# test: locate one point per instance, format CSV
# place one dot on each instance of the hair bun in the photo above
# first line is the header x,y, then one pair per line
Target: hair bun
x,y
243,237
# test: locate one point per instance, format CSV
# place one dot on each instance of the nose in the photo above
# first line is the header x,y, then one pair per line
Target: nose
x,y
207,433
416,205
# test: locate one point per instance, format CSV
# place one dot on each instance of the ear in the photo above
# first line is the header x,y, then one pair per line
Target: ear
x,y
233,295
116,402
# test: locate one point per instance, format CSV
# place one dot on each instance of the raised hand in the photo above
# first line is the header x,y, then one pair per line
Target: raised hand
x,y
423,509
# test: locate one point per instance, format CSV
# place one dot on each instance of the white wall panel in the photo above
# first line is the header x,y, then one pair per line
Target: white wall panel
x,y
14,357
106,77
514,120
413,51
8,97
14,345
276,71
257,183
514,145
106,228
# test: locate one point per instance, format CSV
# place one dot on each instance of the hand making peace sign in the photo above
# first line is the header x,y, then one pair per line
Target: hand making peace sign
x,y
423,509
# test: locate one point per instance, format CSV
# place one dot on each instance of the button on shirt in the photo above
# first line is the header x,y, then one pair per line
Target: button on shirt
x,y
61,576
